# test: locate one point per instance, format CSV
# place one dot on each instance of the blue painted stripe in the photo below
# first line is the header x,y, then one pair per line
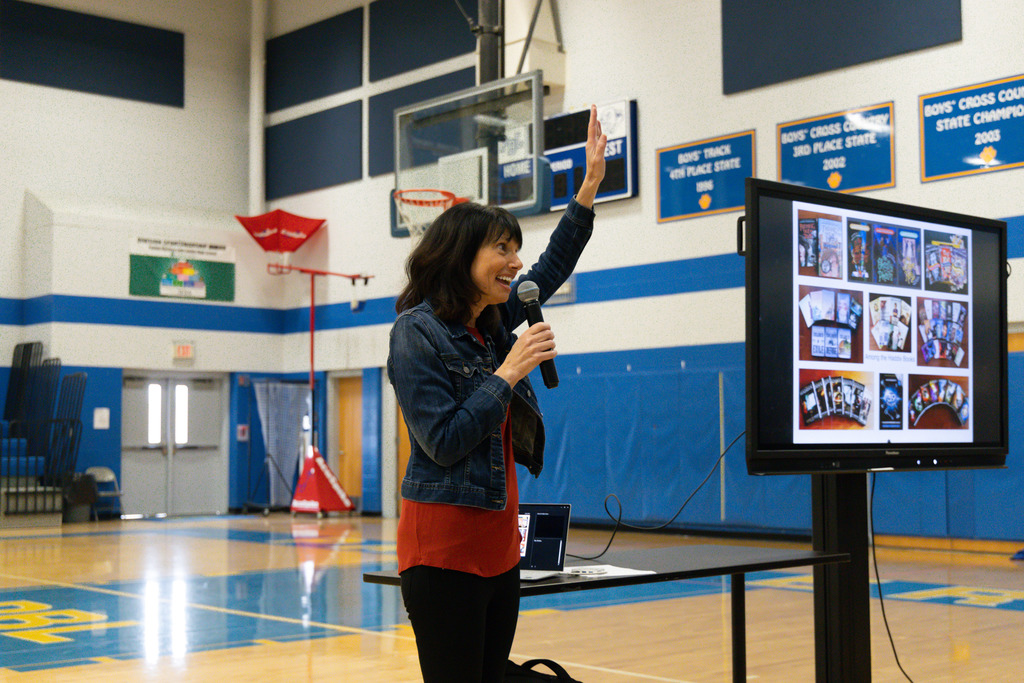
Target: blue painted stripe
x,y
655,279
11,311
147,313
725,271
722,271
1015,237
341,316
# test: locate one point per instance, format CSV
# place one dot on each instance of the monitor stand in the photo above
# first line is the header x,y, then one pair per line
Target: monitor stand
x,y
842,626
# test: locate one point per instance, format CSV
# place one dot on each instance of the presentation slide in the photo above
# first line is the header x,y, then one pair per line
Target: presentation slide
x,y
882,316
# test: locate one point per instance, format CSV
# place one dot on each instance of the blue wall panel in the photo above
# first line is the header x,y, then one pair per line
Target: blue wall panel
x,y
382,112
913,503
409,34
75,51
998,492
372,486
644,425
315,61
315,151
806,37
100,446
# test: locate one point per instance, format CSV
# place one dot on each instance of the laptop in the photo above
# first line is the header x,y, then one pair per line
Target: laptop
x,y
544,529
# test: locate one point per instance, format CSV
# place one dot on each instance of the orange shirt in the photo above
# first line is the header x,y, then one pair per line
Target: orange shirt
x,y
467,539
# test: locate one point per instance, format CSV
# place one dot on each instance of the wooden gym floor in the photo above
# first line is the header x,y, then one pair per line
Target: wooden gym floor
x,y
251,598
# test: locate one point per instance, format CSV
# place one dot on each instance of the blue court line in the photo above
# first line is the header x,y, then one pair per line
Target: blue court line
x,y
907,591
56,626
221,534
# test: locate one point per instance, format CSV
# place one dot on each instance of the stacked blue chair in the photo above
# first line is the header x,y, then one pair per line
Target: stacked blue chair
x,y
39,435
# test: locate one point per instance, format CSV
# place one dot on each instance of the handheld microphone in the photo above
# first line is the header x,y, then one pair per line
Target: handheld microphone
x,y
529,294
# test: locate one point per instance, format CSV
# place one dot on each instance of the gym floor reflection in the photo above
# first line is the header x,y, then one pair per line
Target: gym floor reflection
x,y
264,598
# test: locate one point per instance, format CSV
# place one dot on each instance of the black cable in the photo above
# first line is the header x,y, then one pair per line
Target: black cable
x,y
618,518
469,19
878,580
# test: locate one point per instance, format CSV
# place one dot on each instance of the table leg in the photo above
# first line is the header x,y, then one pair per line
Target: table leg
x,y
739,629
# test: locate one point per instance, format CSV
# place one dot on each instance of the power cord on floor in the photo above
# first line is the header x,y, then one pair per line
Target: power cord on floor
x,y
618,517
878,580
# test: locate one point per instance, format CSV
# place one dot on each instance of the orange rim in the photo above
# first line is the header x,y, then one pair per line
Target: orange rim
x,y
444,197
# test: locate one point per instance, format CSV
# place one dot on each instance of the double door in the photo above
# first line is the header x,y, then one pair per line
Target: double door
x,y
174,456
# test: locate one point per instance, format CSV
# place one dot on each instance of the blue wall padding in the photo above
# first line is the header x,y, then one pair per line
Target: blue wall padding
x,y
382,112
372,484
102,390
644,427
248,480
409,34
912,503
75,51
993,504
315,151
959,503
997,498
315,61
805,37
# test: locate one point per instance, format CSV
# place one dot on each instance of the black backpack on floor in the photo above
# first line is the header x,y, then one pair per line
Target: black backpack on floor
x,y
526,673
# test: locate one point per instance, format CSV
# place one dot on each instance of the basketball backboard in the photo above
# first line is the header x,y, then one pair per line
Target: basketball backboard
x,y
483,143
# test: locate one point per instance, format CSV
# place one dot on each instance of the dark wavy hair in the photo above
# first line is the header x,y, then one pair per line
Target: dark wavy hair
x,y
438,267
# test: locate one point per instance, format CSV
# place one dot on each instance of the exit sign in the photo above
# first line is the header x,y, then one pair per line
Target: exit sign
x,y
183,350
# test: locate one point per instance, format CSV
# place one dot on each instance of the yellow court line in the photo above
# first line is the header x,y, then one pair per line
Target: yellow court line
x,y
395,635
210,608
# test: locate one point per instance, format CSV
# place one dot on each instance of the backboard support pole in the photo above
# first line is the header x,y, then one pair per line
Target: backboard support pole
x,y
490,39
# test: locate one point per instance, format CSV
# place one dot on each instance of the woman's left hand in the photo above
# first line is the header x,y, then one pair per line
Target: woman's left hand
x,y
596,142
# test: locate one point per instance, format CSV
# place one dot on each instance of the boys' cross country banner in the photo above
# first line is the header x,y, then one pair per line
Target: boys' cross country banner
x,y
849,151
973,129
186,270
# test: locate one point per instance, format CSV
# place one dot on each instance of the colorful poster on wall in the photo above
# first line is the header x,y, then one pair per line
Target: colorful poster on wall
x,y
973,129
179,269
704,177
849,151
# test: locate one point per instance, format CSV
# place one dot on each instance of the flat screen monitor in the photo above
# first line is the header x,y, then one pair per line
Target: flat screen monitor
x,y
876,334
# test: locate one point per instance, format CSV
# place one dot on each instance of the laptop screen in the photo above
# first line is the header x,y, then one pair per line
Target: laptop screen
x,y
544,529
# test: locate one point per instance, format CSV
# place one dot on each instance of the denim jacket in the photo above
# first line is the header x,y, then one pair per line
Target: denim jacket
x,y
454,405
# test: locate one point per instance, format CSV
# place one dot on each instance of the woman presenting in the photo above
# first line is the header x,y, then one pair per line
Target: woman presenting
x,y
460,376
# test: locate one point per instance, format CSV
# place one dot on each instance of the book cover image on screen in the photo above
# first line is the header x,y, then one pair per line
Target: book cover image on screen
x,y
874,330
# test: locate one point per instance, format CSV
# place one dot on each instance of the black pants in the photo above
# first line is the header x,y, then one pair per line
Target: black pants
x,y
464,623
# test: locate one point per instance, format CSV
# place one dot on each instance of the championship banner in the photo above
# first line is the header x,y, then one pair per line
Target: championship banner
x,y
848,151
179,269
973,129
704,177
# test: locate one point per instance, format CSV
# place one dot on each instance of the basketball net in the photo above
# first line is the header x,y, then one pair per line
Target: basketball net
x,y
417,208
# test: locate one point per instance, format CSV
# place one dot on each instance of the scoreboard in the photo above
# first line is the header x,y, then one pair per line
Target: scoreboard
x,y
565,140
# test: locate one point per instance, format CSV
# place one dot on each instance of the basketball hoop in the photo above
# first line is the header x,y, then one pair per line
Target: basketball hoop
x,y
417,208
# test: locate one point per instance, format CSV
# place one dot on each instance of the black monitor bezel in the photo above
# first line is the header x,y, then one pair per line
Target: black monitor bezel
x,y
841,458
